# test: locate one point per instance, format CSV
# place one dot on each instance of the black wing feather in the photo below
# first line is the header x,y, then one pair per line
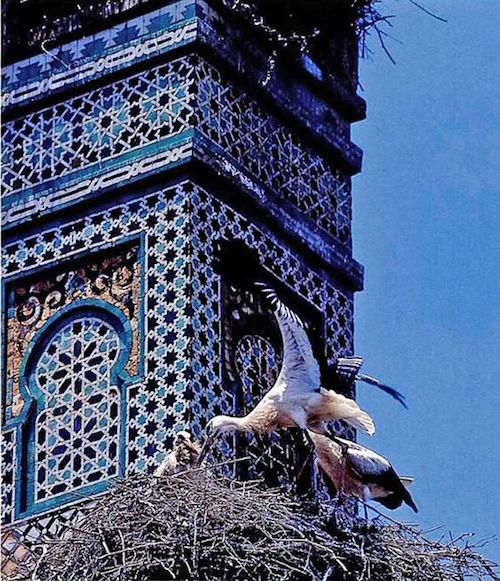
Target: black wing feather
x,y
397,395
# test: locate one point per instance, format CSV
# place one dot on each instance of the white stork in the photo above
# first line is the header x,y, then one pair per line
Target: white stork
x,y
355,470
184,455
241,266
297,398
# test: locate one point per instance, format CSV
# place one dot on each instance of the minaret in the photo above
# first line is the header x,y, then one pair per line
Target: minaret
x,y
138,137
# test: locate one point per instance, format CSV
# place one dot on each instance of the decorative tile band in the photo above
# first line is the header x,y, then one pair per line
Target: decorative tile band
x,y
90,57
144,165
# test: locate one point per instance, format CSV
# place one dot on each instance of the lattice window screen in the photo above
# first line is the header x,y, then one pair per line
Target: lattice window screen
x,y
76,439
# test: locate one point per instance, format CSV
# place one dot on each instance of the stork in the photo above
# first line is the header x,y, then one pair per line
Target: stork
x,y
355,470
184,455
297,398
240,265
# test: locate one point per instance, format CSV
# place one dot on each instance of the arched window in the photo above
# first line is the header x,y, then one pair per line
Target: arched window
x,y
73,433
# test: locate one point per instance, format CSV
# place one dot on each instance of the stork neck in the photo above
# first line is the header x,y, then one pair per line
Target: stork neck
x,y
234,423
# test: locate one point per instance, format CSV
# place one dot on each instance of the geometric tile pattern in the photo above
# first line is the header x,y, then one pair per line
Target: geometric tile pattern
x,y
17,557
339,314
156,403
158,406
77,430
17,560
98,125
8,446
257,363
266,147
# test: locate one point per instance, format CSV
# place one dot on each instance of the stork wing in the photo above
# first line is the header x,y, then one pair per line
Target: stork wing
x,y
365,462
374,469
168,466
347,368
398,396
300,371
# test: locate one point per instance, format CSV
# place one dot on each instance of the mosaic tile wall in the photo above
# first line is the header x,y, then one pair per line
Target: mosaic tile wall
x,y
267,148
77,431
182,336
107,126
116,322
161,287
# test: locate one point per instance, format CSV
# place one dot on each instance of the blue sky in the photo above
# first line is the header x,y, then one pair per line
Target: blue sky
x,y
427,229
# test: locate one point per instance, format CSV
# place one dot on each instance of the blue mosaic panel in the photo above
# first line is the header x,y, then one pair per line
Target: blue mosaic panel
x,y
8,440
77,432
156,404
158,407
98,125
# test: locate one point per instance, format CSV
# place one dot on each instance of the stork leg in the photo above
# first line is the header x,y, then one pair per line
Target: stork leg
x,y
310,446
264,445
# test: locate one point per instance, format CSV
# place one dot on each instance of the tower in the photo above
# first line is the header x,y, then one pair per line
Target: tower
x,y
138,137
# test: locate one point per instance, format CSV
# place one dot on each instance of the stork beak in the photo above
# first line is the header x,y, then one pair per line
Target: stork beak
x,y
205,449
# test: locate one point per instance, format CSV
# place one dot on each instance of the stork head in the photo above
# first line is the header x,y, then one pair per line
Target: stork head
x,y
182,436
215,427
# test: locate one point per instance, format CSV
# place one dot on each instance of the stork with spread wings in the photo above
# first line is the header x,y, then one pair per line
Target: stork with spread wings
x,y
297,398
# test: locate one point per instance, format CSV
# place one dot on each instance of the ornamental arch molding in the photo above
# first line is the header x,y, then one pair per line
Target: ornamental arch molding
x,y
72,427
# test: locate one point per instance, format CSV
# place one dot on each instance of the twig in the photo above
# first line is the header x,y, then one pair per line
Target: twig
x,y
428,11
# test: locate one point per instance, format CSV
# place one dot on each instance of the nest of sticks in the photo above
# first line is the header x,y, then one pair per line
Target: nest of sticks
x,y
306,24
298,23
194,526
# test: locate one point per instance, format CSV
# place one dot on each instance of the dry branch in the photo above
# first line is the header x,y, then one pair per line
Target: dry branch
x,y
201,528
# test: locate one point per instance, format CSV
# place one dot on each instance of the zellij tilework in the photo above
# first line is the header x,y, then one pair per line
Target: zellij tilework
x,y
130,153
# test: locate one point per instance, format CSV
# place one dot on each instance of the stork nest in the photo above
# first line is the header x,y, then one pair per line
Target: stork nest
x,y
298,22
196,527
